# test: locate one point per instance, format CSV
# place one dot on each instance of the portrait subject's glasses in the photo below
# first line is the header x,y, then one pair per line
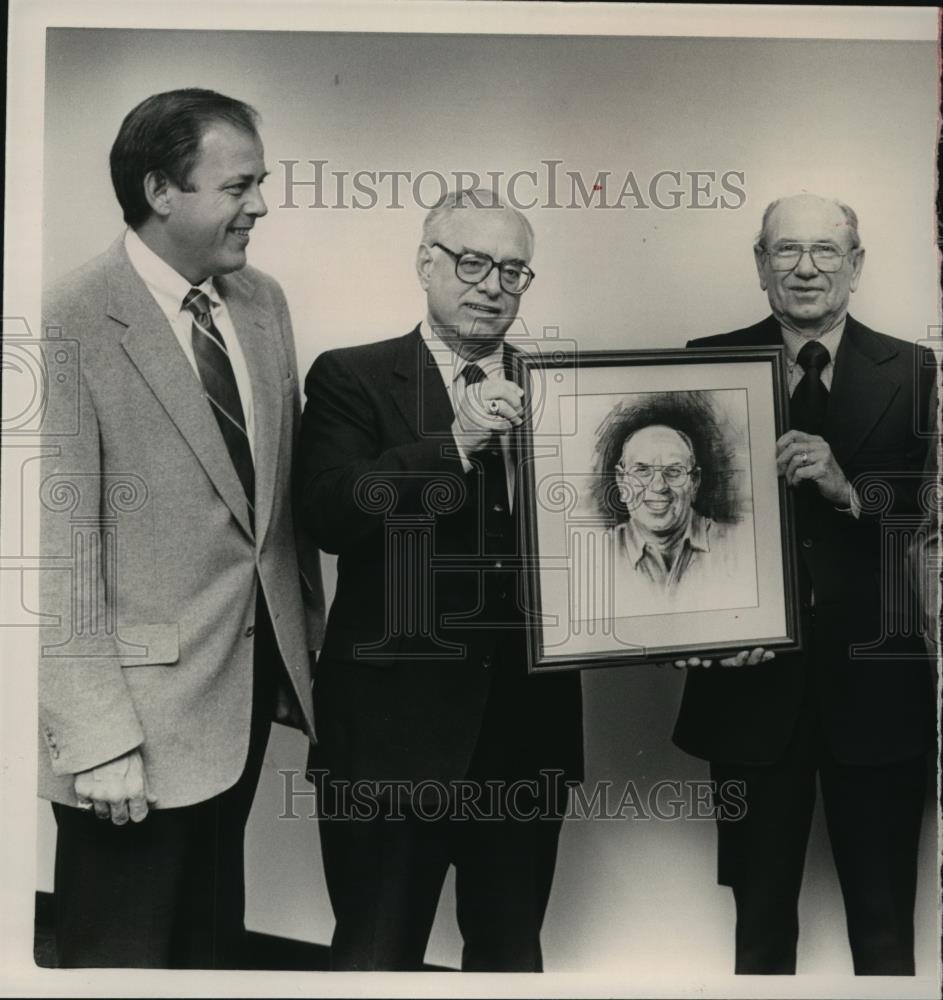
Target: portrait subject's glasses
x,y
473,267
824,256
673,475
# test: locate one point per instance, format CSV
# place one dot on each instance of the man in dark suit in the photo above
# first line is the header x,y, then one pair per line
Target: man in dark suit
x,y
177,627
856,706
410,475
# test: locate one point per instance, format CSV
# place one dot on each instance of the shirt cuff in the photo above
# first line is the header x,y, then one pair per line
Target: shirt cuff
x,y
854,507
463,458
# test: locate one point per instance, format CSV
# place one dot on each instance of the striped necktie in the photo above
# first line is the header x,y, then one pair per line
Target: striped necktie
x,y
219,381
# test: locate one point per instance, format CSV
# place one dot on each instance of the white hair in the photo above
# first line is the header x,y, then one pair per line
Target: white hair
x,y
481,198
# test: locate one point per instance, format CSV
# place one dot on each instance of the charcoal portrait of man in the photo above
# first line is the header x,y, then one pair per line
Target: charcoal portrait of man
x,y
672,489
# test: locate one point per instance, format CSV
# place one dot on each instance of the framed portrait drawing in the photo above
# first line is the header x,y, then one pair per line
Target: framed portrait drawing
x,y
655,524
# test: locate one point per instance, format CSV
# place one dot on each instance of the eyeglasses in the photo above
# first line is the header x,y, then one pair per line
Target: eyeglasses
x,y
673,475
825,257
473,267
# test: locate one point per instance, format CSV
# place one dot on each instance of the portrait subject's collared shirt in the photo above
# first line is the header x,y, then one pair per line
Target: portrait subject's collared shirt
x,y
646,557
169,288
451,367
714,568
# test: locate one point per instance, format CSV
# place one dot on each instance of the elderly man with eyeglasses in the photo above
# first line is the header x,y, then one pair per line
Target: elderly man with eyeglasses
x,y
671,489
856,708
658,478
425,708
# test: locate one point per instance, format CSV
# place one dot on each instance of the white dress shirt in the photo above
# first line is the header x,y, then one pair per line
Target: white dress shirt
x,y
795,342
169,289
451,366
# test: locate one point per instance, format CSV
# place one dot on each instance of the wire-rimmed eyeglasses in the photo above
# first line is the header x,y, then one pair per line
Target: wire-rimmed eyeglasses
x,y
825,257
673,475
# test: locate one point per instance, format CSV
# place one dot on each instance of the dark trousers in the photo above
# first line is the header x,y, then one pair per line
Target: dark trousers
x,y
385,877
385,871
168,892
873,815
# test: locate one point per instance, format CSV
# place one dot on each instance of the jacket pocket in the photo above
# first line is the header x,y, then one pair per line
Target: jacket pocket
x,y
145,645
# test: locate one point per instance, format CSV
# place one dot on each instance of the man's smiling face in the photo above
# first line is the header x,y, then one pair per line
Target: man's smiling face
x,y
805,298
472,318
657,496
207,227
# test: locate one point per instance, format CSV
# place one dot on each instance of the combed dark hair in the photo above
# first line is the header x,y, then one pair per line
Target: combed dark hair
x,y
693,416
164,133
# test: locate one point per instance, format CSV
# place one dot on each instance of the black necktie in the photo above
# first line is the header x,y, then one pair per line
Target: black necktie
x,y
219,381
491,457
810,400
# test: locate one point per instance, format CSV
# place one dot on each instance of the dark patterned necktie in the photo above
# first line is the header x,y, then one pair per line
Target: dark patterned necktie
x,y
809,402
491,457
219,381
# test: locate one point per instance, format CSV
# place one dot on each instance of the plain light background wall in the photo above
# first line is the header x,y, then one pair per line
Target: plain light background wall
x,y
856,120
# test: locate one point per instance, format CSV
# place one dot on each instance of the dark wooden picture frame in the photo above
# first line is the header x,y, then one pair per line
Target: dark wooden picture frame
x,y
602,589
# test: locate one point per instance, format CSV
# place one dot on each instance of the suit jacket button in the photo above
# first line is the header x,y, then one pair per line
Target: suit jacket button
x,y
486,662
250,631
807,543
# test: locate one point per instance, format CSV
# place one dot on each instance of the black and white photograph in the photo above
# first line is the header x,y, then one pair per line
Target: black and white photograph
x,y
470,500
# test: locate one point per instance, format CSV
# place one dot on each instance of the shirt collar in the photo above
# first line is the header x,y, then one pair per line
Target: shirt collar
x,y
795,341
696,537
168,286
450,364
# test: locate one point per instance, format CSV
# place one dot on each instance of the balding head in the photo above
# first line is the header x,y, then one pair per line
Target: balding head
x,y
846,226
809,259
437,222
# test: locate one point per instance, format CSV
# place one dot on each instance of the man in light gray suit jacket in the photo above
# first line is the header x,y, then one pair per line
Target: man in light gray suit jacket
x,y
179,622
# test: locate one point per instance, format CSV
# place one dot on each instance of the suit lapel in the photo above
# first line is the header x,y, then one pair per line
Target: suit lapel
x,y
153,349
419,391
860,392
257,341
